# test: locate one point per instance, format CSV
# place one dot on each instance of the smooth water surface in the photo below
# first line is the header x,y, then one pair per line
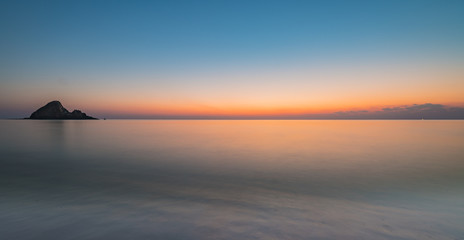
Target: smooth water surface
x,y
208,179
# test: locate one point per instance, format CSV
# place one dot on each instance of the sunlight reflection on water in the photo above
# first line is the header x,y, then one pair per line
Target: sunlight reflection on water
x,y
257,179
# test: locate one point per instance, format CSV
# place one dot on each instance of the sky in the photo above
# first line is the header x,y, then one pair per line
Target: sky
x,y
234,59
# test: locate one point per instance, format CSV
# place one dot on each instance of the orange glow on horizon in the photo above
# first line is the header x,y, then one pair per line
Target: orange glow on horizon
x,y
148,108
281,92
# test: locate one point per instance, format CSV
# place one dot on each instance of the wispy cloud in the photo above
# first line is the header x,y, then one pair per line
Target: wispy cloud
x,y
415,111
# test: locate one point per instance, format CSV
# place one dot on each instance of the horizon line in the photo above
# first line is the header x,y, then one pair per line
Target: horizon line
x,y
240,118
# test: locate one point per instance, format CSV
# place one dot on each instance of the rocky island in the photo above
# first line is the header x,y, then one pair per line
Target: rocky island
x,y
54,110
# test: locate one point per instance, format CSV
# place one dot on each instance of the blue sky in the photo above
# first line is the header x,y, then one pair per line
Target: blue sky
x,y
178,44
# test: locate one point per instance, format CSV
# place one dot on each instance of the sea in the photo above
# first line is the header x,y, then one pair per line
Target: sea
x,y
231,179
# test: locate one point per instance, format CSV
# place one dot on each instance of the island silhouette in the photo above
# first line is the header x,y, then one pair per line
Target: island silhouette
x,y
55,110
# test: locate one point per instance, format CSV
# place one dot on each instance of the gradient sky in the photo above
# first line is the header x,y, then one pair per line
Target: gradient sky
x,y
142,59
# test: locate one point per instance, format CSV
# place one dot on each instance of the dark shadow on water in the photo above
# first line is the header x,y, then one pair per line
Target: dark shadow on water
x,y
56,130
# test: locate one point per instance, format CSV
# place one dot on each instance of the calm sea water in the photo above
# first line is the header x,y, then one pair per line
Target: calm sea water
x,y
195,179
